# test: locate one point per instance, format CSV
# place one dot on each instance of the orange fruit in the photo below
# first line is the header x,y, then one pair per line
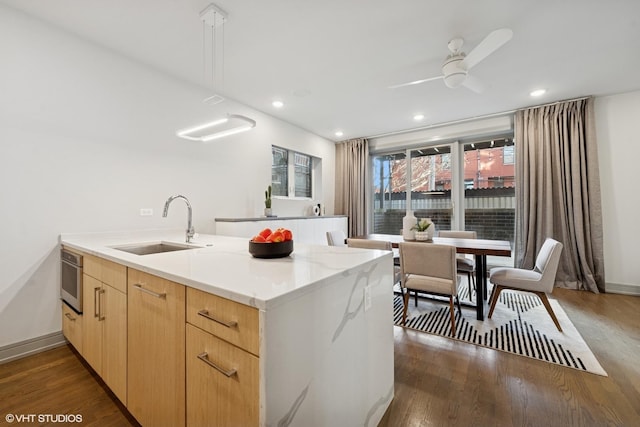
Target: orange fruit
x,y
266,232
275,237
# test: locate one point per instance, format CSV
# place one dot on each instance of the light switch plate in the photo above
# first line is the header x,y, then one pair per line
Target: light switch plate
x,y
146,212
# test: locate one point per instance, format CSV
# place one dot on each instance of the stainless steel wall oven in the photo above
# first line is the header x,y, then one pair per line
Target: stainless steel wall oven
x,y
71,279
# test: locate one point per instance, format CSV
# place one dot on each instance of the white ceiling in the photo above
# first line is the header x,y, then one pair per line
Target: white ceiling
x,y
331,61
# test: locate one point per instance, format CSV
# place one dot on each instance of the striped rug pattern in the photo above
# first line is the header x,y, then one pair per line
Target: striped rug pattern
x,y
519,325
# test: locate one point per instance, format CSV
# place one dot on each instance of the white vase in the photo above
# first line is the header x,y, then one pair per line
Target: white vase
x,y
408,222
431,230
422,235
267,212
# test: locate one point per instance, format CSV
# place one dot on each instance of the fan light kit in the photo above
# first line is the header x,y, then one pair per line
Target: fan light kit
x,y
215,18
455,69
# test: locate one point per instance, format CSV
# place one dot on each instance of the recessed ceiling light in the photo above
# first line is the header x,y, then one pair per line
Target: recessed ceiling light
x,y
538,92
339,133
418,117
278,104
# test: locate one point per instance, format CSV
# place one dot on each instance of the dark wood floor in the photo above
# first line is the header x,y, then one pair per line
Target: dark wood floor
x,y
439,382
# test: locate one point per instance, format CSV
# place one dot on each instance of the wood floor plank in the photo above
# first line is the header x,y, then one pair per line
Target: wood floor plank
x,y
438,381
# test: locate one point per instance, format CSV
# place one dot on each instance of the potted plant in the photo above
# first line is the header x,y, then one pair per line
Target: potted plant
x,y
421,228
267,202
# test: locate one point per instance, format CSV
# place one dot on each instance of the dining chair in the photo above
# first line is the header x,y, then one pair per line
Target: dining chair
x,y
376,244
336,238
466,264
429,268
539,280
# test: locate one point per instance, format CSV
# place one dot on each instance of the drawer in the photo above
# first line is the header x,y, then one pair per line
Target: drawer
x,y
233,322
91,266
111,273
72,327
222,382
114,275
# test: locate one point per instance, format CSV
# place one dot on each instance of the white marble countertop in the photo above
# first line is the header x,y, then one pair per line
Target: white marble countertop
x,y
278,218
223,266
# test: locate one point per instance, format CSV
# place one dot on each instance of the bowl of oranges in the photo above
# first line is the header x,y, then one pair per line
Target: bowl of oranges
x,y
271,244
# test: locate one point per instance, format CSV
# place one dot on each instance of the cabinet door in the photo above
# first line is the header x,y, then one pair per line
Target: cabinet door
x,y
114,333
92,326
156,364
72,327
222,382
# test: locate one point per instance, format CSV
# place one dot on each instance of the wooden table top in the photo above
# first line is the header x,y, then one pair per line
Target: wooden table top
x,y
463,246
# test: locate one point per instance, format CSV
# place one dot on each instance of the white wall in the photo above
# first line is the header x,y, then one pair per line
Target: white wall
x,y
619,154
87,138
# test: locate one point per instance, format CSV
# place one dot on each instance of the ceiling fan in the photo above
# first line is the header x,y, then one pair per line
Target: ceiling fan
x,y
457,64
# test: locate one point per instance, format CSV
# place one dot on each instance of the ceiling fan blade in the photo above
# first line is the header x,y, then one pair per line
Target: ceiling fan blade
x,y
490,44
415,82
472,83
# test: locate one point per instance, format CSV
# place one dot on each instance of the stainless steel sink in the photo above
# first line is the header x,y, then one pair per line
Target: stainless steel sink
x,y
153,248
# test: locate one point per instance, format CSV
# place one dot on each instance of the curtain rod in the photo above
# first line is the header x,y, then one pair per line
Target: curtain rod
x,y
555,103
486,116
436,125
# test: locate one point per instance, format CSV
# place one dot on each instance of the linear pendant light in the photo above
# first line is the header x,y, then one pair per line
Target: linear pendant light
x,y
230,125
215,18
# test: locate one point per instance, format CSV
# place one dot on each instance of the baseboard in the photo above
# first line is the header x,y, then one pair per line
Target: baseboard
x,y
622,288
31,346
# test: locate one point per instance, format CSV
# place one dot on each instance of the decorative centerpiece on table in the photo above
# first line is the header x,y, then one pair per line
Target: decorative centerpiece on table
x,y
423,229
267,202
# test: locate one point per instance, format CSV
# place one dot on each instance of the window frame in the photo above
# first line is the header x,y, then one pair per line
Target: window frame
x,y
292,174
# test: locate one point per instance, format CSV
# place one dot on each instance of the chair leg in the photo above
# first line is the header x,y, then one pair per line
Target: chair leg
x,y
494,299
469,283
545,301
415,293
404,309
453,316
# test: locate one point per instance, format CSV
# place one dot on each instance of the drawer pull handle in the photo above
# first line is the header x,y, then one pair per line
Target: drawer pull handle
x,y
100,314
96,306
229,324
70,317
228,373
147,291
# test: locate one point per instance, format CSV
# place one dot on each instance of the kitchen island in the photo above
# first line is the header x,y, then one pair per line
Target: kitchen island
x,y
324,328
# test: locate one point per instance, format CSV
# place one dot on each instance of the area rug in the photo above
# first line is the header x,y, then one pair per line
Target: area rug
x,y
520,325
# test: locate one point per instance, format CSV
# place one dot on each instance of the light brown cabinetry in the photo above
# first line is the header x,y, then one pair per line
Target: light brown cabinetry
x,y
104,328
72,327
156,350
222,361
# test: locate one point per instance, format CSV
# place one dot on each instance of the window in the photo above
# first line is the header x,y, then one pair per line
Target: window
x,y
508,155
279,171
476,177
302,167
291,173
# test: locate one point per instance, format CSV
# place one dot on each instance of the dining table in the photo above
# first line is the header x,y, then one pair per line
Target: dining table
x,y
480,248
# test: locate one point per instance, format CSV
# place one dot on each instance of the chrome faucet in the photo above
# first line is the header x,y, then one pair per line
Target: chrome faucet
x,y
190,230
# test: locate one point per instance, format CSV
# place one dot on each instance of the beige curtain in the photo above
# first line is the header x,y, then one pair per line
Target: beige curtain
x,y
352,158
558,190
